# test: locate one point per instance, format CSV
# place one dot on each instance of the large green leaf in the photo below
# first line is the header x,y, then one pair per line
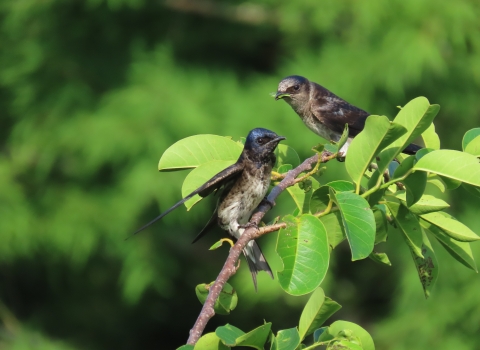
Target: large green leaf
x,y
426,204
303,248
430,138
198,176
226,302
229,334
348,331
416,117
317,310
378,133
408,225
469,136
358,221
451,226
455,165
427,266
195,150
415,183
460,251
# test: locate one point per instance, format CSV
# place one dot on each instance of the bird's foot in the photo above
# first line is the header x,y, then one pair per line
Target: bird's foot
x,y
341,156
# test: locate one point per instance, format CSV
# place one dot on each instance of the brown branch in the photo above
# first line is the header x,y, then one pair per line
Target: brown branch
x,y
252,232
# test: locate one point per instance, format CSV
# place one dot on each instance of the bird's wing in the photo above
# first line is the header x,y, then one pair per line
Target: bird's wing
x,y
334,112
214,183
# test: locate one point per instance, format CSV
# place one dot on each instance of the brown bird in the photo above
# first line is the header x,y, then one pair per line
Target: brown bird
x,y
323,112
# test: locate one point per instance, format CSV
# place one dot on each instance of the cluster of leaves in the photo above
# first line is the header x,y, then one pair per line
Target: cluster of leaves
x,y
339,335
388,193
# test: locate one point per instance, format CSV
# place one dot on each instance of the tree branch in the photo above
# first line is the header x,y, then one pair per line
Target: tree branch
x,y
253,232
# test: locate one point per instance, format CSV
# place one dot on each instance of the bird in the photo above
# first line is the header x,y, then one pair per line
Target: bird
x,y
243,186
323,112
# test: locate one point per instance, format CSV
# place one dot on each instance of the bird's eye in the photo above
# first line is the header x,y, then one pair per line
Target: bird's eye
x,y
296,87
261,140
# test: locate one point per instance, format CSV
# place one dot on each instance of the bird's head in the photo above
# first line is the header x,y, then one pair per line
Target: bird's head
x,y
262,142
295,90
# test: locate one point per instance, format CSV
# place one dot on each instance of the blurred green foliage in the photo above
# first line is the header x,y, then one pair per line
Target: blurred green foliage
x,y
92,93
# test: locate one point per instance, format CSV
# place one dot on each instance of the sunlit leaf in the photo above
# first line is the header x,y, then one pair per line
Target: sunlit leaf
x,y
469,136
348,331
286,155
426,204
303,248
255,338
358,221
196,150
455,165
210,341
287,339
416,116
451,226
378,133
430,138
317,310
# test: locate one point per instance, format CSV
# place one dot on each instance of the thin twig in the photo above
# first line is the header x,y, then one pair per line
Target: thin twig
x,y
253,232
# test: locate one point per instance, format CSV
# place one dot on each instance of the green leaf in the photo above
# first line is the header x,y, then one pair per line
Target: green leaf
x,y
380,258
286,155
404,167
334,226
348,331
318,333
381,225
196,150
226,302
341,186
345,344
378,133
343,139
210,341
427,267
474,147
317,310
302,197
229,334
469,136
426,204
460,251
415,183
186,347
358,221
198,176
408,225
255,338
450,184
285,168
455,165
416,117
430,138
287,339
303,248
474,191
435,181
451,226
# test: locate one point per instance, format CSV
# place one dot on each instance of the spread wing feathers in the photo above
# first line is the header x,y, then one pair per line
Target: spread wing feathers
x,y
214,183
334,112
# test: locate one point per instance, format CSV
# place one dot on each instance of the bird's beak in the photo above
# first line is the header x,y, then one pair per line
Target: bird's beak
x,y
277,139
279,95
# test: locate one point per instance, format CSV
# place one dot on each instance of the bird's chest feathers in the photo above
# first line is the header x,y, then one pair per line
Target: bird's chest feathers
x,y
245,195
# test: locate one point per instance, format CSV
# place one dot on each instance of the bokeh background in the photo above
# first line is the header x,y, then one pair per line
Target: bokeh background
x,y
93,92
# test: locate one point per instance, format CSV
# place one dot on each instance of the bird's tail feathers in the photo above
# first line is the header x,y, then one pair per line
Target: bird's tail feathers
x,y
256,261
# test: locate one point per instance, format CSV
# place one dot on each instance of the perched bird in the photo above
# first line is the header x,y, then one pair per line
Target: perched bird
x,y
323,112
244,185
